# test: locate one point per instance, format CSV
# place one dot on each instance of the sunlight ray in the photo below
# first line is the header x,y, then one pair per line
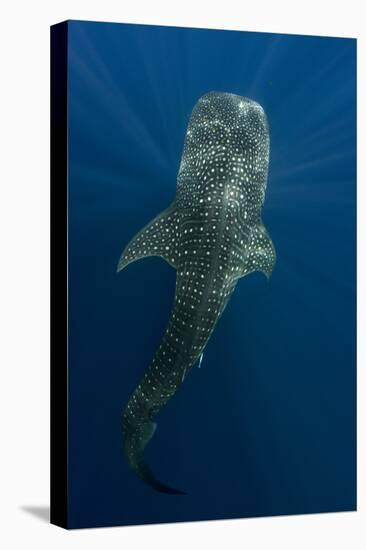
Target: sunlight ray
x,y
305,166
274,49
104,79
312,81
321,133
155,91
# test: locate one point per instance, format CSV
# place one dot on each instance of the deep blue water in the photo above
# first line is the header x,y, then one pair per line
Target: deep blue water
x,y
267,425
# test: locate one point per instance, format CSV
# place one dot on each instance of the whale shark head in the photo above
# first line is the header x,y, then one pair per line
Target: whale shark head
x,y
227,143
230,109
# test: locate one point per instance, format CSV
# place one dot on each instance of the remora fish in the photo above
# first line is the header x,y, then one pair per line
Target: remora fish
x,y
212,234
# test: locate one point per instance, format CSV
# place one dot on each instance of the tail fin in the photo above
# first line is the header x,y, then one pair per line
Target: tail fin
x,y
135,441
145,473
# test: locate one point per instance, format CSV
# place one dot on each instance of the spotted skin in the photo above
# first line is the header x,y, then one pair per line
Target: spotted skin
x,y
213,235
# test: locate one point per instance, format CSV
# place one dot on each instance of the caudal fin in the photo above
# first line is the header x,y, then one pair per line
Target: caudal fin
x,y
135,441
145,473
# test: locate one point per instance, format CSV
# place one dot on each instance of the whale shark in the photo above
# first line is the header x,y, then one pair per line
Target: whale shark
x,y
212,234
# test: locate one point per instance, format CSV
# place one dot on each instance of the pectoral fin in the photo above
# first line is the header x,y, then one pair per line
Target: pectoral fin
x,y
260,253
158,238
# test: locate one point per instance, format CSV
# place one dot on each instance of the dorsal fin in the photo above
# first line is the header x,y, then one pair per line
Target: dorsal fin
x,y
158,238
260,254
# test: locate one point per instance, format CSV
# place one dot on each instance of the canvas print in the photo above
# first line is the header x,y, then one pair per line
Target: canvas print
x,y
219,383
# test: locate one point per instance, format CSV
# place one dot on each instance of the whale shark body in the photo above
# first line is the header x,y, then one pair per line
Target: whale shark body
x,y
213,235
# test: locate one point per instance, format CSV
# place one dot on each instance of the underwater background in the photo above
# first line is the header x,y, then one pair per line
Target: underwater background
x,y
266,426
